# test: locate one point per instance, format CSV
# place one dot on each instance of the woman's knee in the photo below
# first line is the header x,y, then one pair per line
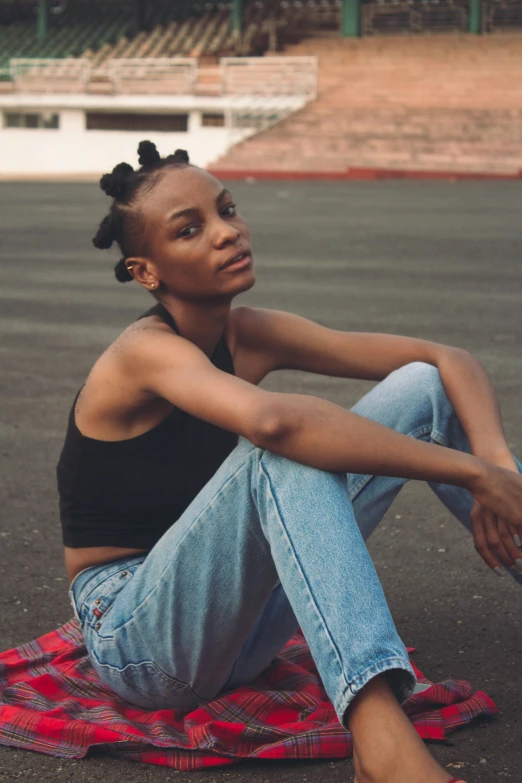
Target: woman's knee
x,y
420,372
278,466
410,399
421,391
418,377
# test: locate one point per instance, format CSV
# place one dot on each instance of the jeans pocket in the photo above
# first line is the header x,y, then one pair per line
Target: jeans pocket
x,y
96,598
145,685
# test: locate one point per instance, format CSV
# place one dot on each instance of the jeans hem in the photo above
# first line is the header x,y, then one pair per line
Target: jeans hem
x,y
403,690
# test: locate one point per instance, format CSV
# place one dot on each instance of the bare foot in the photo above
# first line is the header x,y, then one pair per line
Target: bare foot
x,y
403,768
402,779
453,780
387,749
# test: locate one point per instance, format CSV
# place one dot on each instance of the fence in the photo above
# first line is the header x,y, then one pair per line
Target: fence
x,y
414,16
264,90
501,16
164,76
270,76
46,75
254,92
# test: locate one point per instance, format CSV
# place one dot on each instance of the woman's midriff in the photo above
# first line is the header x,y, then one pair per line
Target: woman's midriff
x,y
77,560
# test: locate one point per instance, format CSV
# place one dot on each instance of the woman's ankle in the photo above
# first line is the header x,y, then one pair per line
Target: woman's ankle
x,y
387,749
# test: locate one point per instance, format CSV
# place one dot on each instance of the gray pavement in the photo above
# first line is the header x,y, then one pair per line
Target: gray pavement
x,y
440,261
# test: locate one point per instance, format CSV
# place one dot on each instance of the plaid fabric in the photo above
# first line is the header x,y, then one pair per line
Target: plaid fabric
x,y
52,701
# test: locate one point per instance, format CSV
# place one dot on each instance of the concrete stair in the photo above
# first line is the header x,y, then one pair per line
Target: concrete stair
x,y
441,102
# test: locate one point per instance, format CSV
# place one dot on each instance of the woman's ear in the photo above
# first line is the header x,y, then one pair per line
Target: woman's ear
x,y
141,270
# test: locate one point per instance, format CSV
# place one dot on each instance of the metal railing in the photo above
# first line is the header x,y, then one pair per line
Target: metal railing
x,y
255,76
501,16
414,16
262,91
50,75
296,76
257,91
247,115
159,75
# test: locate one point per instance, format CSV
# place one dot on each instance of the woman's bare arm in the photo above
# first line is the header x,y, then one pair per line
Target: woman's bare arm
x,y
308,429
293,342
285,340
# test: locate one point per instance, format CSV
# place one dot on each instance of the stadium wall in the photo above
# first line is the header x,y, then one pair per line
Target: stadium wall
x,y
69,147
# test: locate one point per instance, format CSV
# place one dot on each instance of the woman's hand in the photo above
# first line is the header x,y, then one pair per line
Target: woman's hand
x,y
496,514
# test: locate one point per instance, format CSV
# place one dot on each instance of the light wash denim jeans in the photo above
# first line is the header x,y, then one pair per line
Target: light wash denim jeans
x,y
267,545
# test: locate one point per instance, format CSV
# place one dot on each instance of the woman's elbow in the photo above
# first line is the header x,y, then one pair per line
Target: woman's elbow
x,y
270,425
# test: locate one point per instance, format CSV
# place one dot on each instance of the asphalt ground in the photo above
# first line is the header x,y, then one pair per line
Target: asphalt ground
x,y
439,261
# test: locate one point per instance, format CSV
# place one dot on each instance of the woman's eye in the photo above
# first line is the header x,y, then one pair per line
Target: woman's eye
x,y
186,231
230,210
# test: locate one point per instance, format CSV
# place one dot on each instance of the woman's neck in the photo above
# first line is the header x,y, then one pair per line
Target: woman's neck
x,y
202,324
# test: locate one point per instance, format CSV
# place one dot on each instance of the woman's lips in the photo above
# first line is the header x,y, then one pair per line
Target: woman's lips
x,y
237,265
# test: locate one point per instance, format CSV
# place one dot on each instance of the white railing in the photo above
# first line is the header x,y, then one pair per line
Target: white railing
x,y
50,75
256,92
269,76
159,75
263,91
259,91
259,76
246,115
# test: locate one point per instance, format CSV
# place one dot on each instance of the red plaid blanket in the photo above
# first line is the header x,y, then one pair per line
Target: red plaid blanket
x,y
52,701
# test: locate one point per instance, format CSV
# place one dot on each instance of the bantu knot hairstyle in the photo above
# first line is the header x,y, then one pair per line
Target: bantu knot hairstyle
x,y
115,183
148,155
105,236
121,272
123,223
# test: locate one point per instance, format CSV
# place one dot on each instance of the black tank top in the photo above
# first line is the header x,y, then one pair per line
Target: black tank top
x,y
128,493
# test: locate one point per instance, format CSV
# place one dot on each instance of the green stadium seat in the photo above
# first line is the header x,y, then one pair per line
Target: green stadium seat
x,y
77,29
103,30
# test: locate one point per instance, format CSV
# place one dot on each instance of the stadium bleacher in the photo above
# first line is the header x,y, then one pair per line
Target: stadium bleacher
x,y
102,30
394,101
439,102
70,32
196,36
91,43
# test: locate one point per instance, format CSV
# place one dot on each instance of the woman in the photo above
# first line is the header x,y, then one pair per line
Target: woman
x,y
194,554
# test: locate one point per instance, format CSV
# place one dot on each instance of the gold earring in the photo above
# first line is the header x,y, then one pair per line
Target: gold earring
x,y
153,285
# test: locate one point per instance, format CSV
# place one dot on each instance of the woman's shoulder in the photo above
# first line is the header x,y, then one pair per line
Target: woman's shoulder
x,y
113,394
143,330
250,325
124,351
243,320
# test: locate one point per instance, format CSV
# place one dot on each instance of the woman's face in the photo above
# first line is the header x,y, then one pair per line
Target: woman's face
x,y
192,229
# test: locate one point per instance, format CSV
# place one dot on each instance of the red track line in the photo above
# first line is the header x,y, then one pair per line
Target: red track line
x,y
360,174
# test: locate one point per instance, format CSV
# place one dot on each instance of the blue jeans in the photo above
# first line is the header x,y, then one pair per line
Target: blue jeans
x,y
268,545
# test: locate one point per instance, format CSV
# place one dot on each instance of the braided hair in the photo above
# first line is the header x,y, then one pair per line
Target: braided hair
x,y
123,224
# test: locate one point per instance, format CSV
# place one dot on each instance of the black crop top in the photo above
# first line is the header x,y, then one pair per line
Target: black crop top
x,y
128,493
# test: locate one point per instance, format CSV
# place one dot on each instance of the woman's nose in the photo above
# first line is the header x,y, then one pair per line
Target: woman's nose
x,y
225,233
